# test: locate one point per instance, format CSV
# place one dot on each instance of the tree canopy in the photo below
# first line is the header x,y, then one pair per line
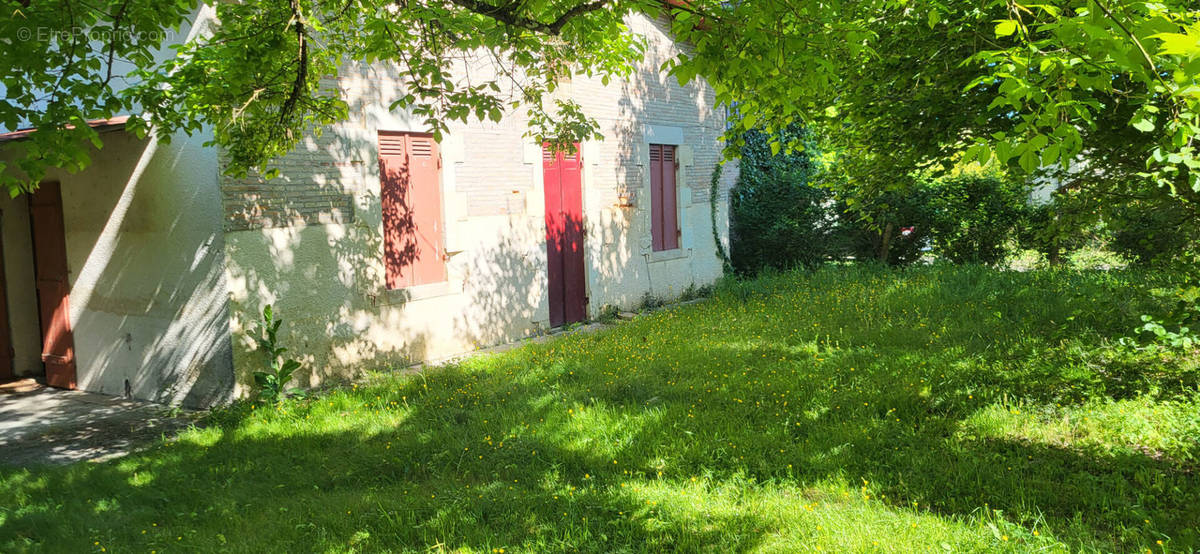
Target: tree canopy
x,y
903,85
897,84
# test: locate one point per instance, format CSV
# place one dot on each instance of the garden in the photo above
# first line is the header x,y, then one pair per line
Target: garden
x,y
855,407
960,309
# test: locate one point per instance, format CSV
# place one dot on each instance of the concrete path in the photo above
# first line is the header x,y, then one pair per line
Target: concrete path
x,y
44,426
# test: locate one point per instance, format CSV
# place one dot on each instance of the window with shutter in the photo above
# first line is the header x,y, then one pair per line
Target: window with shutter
x,y
410,194
664,215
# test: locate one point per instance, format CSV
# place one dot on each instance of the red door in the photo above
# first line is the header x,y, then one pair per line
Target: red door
x,y
561,172
664,213
50,271
410,191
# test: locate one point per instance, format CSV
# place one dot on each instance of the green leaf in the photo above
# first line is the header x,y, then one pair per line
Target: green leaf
x,y
1028,160
1177,44
748,121
1006,27
1050,154
1142,123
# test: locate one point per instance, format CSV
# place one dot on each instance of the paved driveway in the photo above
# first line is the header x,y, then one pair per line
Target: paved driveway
x,y
40,425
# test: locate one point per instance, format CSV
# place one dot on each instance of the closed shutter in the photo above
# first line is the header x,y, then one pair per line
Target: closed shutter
x,y
664,215
411,198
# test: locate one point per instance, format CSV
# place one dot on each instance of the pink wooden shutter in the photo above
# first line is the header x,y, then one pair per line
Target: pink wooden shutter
x,y
664,217
656,186
410,194
670,212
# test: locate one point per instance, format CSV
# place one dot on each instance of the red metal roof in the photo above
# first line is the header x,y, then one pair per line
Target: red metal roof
x,y
110,124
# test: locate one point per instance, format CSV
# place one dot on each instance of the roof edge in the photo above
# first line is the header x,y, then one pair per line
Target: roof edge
x,y
111,124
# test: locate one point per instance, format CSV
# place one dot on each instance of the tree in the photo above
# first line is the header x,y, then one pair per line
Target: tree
x,y
891,226
896,87
255,75
1026,84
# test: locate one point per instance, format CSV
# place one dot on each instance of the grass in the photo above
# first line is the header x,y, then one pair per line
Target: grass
x,y
850,409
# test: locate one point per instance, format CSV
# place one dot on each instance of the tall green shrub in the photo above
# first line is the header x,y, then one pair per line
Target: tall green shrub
x,y
1155,233
777,218
891,227
965,218
974,217
1044,230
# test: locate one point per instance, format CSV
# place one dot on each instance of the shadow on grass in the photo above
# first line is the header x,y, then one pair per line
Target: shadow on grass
x,y
566,446
443,475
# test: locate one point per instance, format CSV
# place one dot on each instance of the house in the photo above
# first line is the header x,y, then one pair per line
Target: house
x,y
377,245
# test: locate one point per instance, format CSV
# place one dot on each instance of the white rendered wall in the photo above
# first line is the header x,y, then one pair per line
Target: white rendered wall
x,y
145,255
322,267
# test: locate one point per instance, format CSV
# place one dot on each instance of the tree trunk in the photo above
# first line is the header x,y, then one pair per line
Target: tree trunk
x,y
886,245
1054,254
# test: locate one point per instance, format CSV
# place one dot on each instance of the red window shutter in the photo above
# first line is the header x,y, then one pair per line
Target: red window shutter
x,y
664,216
410,194
391,144
656,196
670,212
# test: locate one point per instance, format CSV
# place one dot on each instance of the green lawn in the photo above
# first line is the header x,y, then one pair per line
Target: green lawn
x,y
851,409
